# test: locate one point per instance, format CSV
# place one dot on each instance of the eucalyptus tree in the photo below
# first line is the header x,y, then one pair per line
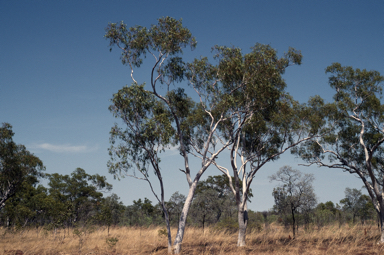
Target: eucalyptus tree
x,y
189,124
264,140
231,93
17,164
295,193
153,121
353,135
146,133
270,121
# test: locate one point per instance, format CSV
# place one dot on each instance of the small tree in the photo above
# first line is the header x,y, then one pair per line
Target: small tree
x,y
225,202
110,211
204,207
356,203
295,193
175,207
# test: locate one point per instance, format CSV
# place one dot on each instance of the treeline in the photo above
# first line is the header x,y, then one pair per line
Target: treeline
x,y
77,200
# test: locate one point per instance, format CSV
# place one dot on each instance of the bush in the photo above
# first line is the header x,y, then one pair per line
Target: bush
x,y
229,225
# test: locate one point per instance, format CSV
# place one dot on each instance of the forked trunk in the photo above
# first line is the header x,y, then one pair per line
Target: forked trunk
x,y
183,218
243,222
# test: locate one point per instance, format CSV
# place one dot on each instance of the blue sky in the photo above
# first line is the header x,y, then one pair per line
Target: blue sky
x,y
57,74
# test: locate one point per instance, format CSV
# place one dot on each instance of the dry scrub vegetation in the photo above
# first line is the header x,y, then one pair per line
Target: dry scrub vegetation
x,y
356,239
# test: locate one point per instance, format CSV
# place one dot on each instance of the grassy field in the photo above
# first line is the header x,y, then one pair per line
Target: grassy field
x,y
274,240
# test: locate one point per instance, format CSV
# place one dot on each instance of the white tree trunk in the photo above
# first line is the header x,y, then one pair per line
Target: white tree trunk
x,y
183,218
243,222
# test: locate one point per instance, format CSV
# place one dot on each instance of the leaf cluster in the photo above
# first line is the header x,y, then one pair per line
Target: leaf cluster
x,y
148,129
168,37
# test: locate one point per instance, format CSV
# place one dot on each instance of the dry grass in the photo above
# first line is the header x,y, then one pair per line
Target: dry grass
x,y
275,240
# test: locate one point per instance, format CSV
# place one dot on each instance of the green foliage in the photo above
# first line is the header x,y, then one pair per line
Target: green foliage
x,y
213,200
241,100
358,204
175,206
148,131
143,213
219,183
272,218
295,191
206,207
28,206
326,213
17,165
255,221
110,211
162,233
168,37
355,114
111,241
76,195
294,195
148,122
229,225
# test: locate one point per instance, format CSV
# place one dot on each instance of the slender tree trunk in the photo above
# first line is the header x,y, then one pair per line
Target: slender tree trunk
x,y
165,211
293,223
183,218
297,227
243,222
203,222
168,227
381,217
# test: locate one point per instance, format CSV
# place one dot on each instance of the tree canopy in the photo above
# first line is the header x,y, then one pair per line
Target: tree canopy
x,y
17,164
